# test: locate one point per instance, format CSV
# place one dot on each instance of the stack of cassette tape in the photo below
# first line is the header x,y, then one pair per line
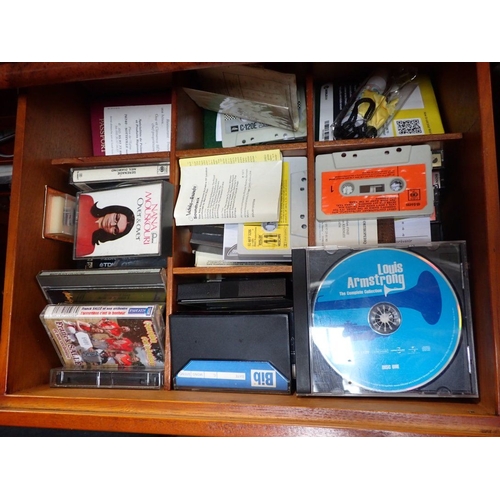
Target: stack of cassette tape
x,y
386,317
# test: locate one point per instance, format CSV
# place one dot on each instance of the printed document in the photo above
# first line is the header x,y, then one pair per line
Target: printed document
x,y
229,193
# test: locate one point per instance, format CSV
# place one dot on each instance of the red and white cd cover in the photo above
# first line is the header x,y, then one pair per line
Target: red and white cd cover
x,y
135,220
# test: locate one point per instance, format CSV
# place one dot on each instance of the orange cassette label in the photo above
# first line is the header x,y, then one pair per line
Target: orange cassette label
x,y
375,191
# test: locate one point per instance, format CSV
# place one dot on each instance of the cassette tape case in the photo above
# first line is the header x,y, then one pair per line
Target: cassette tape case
x,y
106,336
134,220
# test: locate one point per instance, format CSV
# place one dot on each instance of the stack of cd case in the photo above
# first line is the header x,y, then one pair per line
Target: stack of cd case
x,y
107,346
389,321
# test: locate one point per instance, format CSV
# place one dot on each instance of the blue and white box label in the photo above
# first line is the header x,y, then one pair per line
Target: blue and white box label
x,y
238,375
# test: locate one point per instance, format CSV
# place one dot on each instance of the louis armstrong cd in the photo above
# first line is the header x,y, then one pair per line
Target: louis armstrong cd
x,y
387,320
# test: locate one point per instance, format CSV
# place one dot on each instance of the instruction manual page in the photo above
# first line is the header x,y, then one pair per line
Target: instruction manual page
x,y
229,193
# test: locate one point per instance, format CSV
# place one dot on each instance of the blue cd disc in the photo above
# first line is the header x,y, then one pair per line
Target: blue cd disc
x,y
386,320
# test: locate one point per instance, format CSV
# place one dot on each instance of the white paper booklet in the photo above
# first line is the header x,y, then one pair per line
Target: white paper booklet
x,y
413,230
229,193
137,129
347,233
363,232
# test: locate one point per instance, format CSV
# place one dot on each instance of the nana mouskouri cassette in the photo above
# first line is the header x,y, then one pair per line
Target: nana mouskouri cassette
x,y
384,321
125,221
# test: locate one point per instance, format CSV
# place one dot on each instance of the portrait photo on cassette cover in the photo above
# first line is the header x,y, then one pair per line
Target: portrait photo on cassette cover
x,y
107,336
134,220
384,321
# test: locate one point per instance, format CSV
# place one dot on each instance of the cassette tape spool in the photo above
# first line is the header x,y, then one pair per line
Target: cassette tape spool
x,y
373,186
386,182
386,321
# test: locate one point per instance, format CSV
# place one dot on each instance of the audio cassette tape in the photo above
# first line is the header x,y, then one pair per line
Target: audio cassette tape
x,y
384,321
383,182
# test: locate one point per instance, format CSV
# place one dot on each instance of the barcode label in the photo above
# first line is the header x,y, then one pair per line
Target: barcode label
x,y
326,130
58,311
411,126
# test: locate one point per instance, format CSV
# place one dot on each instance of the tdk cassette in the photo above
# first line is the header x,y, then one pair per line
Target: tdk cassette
x,y
376,183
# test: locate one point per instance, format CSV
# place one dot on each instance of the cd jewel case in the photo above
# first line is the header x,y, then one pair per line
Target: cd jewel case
x,y
384,321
